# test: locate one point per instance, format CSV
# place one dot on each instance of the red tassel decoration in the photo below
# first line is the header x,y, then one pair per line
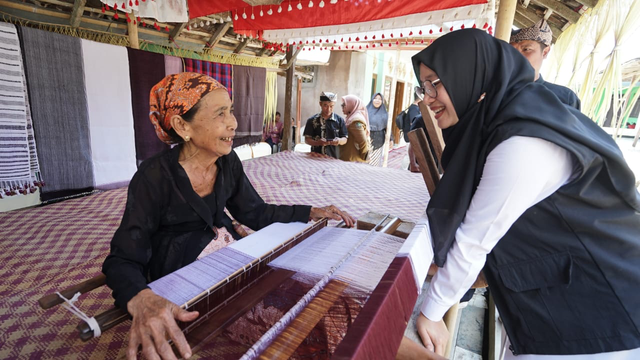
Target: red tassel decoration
x,y
130,3
358,39
410,33
107,7
389,44
430,31
451,28
103,10
401,35
383,36
420,33
391,35
374,45
462,26
349,38
422,41
474,26
485,25
115,6
137,3
335,42
115,16
397,42
365,37
440,29
373,37
138,18
123,6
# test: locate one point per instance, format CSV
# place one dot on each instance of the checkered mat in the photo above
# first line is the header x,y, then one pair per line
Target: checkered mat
x,y
49,248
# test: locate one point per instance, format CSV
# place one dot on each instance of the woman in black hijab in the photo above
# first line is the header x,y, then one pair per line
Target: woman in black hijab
x,y
378,118
538,195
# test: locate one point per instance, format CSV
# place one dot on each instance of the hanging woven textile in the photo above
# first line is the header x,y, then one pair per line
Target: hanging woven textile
x,y
19,169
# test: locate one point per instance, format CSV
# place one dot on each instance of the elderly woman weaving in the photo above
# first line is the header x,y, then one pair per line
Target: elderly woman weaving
x,y
176,203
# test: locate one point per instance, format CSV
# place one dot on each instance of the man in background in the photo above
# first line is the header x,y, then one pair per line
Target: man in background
x,y
534,43
326,130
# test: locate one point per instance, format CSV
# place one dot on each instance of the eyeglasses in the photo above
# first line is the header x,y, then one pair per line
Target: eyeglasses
x,y
429,88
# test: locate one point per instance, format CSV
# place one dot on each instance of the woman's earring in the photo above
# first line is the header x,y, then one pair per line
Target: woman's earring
x,y
187,138
482,97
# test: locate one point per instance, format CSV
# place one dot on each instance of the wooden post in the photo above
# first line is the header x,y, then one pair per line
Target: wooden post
x,y
298,110
505,19
133,35
392,95
76,14
288,94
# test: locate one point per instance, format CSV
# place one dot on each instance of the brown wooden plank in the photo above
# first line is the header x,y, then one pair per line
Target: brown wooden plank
x,y
241,46
427,164
534,17
560,9
434,132
177,29
221,30
52,300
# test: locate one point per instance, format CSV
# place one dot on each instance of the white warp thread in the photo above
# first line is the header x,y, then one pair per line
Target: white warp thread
x,y
91,321
278,327
315,256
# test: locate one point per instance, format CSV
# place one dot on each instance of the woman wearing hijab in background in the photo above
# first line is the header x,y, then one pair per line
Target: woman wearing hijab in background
x,y
378,118
175,206
538,195
357,122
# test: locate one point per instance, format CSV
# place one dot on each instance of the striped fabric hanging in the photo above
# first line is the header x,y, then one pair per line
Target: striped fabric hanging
x,y
19,169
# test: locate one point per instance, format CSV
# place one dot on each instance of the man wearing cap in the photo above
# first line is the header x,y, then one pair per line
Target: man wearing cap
x,y
326,131
534,43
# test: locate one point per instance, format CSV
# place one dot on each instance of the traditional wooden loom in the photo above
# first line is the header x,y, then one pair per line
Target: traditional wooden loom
x,y
222,300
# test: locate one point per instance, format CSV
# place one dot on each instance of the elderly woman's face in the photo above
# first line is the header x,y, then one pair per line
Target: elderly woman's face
x,y
441,105
377,101
213,126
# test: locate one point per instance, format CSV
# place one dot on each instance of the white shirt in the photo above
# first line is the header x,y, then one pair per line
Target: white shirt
x,y
519,173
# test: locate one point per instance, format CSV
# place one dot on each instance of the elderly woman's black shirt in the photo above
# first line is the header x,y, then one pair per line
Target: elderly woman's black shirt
x,y
166,224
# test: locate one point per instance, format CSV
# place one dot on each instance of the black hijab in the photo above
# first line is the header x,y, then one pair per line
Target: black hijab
x,y
469,63
377,117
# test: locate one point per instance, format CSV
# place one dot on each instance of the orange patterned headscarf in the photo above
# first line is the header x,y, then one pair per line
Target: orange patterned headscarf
x,y
175,95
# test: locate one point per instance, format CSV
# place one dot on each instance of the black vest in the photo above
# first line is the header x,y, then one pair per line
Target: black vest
x,y
566,276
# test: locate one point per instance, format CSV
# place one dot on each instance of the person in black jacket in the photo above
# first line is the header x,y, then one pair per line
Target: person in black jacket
x,y
538,197
175,206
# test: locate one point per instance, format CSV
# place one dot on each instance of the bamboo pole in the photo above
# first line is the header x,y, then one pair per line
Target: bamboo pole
x,y
132,30
506,12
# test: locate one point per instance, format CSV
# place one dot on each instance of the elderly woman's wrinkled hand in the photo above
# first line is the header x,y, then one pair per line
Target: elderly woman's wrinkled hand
x,y
332,212
154,321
